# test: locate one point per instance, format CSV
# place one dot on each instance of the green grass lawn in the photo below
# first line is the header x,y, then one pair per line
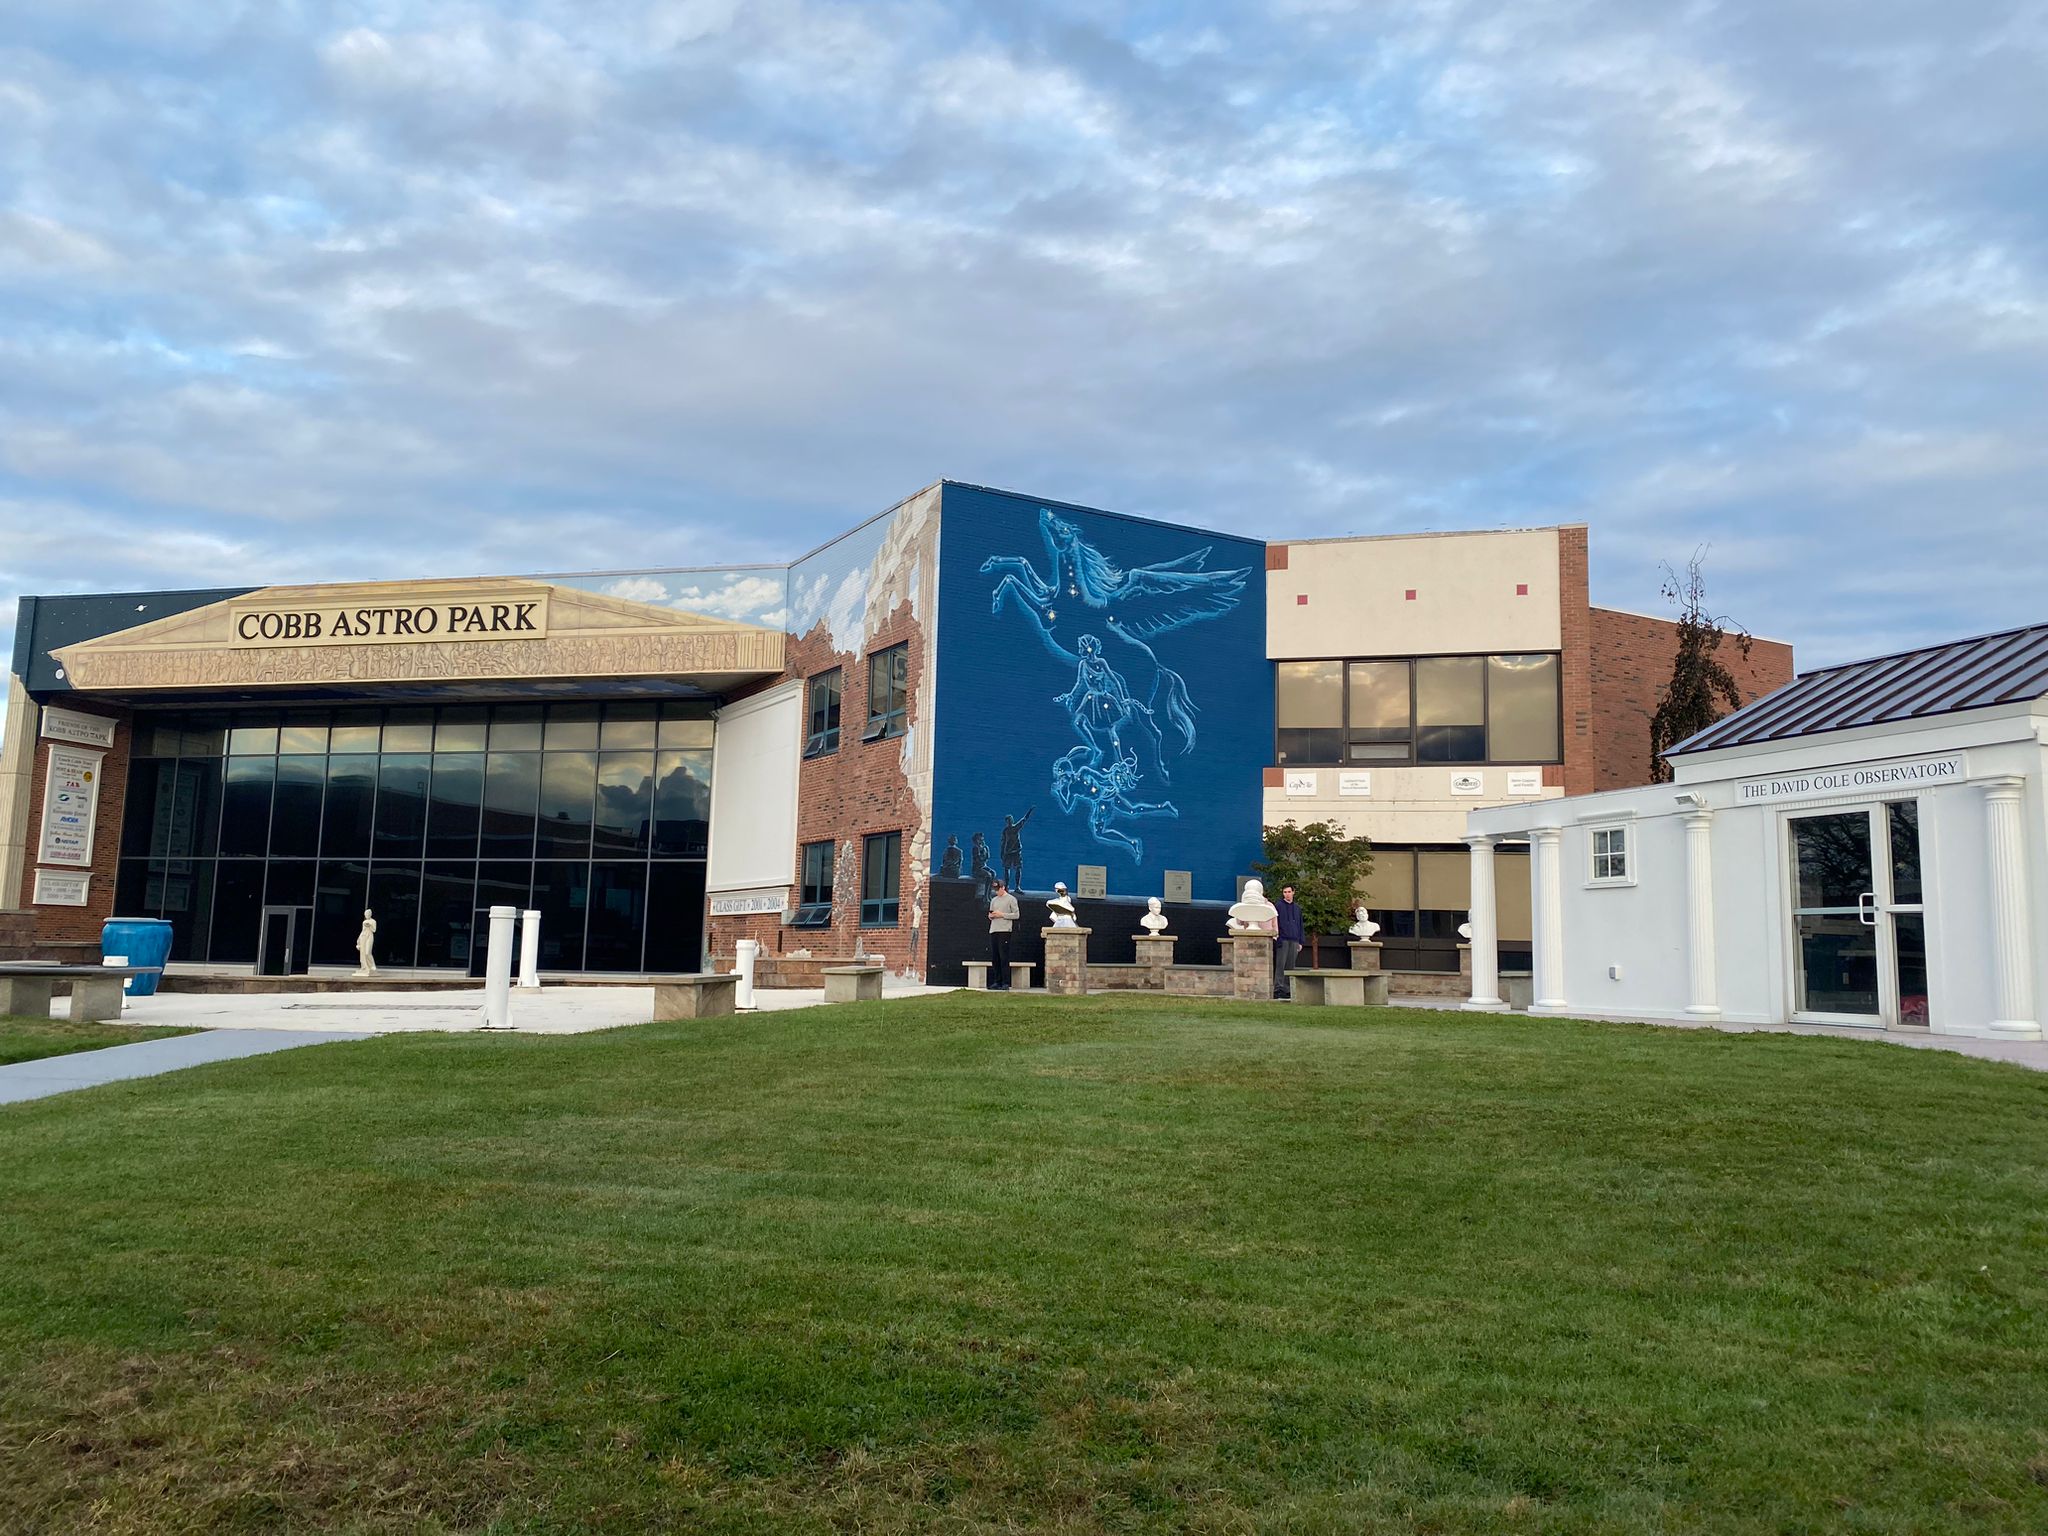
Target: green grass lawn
x,y
973,1263
32,1039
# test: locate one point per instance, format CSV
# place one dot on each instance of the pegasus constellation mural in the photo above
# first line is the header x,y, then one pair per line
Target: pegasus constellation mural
x,y
1116,715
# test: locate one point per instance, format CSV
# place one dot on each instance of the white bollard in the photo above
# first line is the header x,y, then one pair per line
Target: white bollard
x,y
743,965
529,949
498,970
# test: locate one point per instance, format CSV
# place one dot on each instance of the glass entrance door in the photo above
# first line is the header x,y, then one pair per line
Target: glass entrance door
x,y
1858,923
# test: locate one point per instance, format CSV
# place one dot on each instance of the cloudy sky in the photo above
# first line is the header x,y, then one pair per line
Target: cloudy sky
x,y
301,291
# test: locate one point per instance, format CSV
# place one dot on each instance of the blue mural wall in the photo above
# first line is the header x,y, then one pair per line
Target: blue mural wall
x,y
1104,696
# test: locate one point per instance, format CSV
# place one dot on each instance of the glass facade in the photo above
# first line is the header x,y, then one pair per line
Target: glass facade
x,y
1419,709
596,815
1420,895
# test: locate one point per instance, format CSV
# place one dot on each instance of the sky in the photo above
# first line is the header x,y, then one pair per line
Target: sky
x,y
309,292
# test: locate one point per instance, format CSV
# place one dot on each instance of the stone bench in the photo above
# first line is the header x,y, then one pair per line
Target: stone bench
x,y
1518,991
1020,974
1340,989
977,975
28,988
853,983
696,997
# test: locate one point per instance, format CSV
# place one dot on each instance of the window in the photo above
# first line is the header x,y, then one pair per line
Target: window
x,y
888,693
814,895
1610,856
879,858
1421,896
822,734
1423,709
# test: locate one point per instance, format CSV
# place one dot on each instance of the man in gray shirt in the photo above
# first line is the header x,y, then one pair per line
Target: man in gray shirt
x,y
1002,916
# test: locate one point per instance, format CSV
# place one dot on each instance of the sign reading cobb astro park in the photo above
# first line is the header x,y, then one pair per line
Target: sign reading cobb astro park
x,y
259,625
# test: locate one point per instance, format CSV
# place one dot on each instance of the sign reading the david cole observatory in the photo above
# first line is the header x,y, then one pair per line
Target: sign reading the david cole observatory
x,y
1859,778
71,796
267,625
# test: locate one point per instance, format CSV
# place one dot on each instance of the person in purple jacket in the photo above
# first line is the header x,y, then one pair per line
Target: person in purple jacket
x,y
1287,940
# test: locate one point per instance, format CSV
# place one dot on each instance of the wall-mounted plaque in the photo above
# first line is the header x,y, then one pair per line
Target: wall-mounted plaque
x,y
1354,785
1091,880
61,887
742,903
71,794
1180,885
1525,781
1299,784
1468,783
69,725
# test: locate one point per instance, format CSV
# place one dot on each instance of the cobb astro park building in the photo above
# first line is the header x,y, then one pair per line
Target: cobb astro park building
x,y
834,757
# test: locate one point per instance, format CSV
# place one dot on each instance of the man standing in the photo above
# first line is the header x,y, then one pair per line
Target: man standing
x,y
1288,939
1002,915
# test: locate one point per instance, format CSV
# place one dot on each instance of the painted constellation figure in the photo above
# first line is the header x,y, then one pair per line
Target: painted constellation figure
x,y
1013,849
1118,725
1077,779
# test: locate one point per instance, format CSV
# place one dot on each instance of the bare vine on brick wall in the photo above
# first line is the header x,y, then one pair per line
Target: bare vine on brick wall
x,y
1700,683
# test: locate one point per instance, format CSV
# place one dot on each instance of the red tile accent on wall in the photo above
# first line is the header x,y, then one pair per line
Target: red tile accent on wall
x,y
1301,599
1276,557
1411,595
1521,589
1273,777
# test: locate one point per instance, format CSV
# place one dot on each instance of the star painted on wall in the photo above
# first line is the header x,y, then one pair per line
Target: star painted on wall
x,y
1051,614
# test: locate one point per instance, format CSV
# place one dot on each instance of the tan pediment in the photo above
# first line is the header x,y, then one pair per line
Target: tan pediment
x,y
366,633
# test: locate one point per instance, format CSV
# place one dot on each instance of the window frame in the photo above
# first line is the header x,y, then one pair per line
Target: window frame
x,y
1625,853
823,740
814,904
885,724
1350,736
886,908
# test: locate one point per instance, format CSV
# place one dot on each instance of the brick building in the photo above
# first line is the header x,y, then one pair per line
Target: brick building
x,y
834,756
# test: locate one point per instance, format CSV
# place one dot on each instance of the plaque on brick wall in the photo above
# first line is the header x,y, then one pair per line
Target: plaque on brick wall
x,y
61,887
1180,885
1091,880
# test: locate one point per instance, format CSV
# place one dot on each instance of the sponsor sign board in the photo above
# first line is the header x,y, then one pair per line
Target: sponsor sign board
x,y
71,793
61,724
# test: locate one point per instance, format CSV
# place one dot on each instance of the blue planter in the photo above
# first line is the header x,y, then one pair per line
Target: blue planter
x,y
144,941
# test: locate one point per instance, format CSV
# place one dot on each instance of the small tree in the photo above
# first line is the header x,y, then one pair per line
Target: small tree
x,y
1692,700
1324,866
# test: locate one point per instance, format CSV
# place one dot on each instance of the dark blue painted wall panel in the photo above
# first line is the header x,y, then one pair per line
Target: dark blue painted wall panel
x,y
1108,676
48,623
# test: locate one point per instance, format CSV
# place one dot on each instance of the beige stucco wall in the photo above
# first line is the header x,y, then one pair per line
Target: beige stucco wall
x,y
17,766
1464,585
1407,805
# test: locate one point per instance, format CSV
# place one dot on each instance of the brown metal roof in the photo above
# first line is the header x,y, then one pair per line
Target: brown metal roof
x,y
2006,668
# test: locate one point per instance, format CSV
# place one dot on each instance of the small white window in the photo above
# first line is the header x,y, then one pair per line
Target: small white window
x,y
1610,856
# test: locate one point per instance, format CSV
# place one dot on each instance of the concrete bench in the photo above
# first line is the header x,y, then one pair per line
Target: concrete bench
x,y
28,987
1339,989
1020,974
977,975
696,997
853,983
1518,991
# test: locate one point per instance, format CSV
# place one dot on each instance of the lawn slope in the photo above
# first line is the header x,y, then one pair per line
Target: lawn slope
x,y
970,1263
33,1039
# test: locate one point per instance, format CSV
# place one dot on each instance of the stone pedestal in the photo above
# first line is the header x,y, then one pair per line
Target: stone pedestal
x,y
1465,963
1251,966
1066,961
1365,954
1155,954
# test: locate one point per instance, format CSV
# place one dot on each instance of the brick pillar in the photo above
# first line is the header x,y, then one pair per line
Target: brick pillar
x,y
1575,668
1155,954
1251,966
1066,961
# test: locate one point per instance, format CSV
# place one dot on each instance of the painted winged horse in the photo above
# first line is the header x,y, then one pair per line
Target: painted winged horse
x,y
1135,605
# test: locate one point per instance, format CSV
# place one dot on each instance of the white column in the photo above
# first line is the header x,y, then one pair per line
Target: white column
x,y
2012,953
1705,1000
529,948
1485,996
498,969
1546,876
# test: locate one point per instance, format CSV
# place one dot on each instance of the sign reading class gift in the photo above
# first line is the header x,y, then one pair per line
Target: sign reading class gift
x,y
259,625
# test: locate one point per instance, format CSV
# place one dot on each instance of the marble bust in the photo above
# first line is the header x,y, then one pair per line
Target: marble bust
x,y
1061,908
1365,927
1465,932
366,945
1154,921
1252,913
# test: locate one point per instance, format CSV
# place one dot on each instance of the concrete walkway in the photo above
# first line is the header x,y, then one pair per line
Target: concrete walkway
x,y
26,1080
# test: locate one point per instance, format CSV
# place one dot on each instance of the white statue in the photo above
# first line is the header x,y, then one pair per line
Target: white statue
x,y
1154,921
366,944
1061,907
1465,932
1365,927
1252,913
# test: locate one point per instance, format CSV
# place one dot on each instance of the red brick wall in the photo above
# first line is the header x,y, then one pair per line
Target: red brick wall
x,y
845,796
1575,673
81,925
1631,658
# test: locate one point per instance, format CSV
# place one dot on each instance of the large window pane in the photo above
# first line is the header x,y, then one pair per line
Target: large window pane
x,y
1308,709
402,803
1521,709
295,818
395,899
625,802
568,782
461,728
1379,698
1450,709
188,905
349,816
458,800
339,901
245,823
194,828
355,730
682,803
146,812
447,913
504,883
289,883
627,727
675,916
409,730
618,917
561,893
572,727
511,796
136,894
303,732
237,908
515,728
